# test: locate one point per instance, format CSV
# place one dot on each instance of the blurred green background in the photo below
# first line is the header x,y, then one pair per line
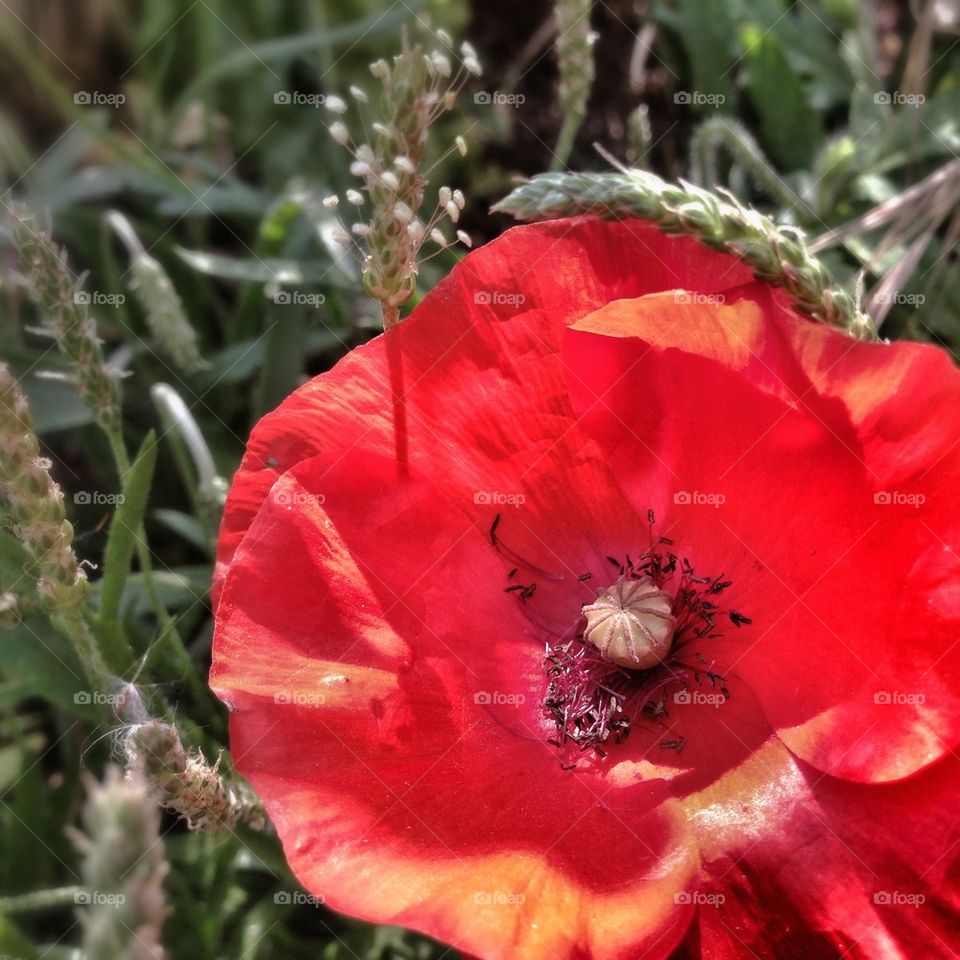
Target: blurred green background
x,y
816,112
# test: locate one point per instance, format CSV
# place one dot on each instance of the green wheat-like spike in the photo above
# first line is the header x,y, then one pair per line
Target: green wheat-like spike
x,y
777,255
574,48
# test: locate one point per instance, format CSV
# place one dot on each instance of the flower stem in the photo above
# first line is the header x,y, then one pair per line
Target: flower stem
x,y
725,134
568,133
40,900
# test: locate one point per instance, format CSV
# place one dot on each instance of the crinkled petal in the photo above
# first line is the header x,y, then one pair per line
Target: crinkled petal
x,y
722,415
799,866
385,695
480,350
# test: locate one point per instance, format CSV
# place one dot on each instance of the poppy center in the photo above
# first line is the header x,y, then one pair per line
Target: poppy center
x,y
631,623
635,651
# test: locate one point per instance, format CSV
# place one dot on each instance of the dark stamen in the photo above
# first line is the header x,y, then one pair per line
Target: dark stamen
x,y
593,702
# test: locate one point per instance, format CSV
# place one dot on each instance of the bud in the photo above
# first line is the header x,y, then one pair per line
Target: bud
x,y
631,623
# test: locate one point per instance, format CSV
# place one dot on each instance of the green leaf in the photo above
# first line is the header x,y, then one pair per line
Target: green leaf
x,y
54,405
285,49
705,28
121,543
183,525
14,944
789,127
43,663
12,692
810,44
284,359
178,589
256,269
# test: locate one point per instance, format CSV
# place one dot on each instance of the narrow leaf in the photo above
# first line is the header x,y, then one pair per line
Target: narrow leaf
x,y
121,543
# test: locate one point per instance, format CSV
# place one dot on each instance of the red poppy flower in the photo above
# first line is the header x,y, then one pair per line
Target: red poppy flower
x,y
629,626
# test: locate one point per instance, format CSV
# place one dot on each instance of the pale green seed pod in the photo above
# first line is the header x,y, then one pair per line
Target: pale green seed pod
x,y
631,623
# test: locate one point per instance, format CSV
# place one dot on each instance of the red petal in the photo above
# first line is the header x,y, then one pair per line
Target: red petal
x,y
355,636
801,866
854,605
470,355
